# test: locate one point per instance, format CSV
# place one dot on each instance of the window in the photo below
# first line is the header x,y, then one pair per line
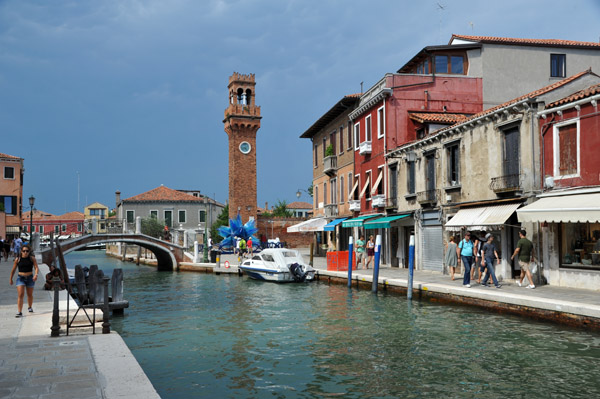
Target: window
x,y
441,64
368,128
41,228
350,183
56,229
420,133
456,65
316,156
453,158
358,187
430,171
369,181
316,196
356,136
578,245
130,216
342,189
324,147
168,218
393,176
63,228
566,150
349,136
325,193
10,204
380,123
25,227
341,139
410,179
333,185
558,65
182,218
79,227
154,214
9,172
202,216
380,184
332,141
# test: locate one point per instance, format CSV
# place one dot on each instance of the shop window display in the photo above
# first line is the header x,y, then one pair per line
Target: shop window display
x,y
580,245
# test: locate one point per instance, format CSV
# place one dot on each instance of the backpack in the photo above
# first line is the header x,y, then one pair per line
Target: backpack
x,y
242,244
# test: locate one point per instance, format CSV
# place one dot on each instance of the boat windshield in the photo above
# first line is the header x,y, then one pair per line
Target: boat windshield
x,y
268,258
289,254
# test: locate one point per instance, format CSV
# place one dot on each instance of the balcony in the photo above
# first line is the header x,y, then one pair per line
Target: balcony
x,y
364,148
354,205
331,210
378,201
428,197
506,184
330,165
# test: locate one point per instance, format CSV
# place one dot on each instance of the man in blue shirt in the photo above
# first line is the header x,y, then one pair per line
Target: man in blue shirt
x,y
465,255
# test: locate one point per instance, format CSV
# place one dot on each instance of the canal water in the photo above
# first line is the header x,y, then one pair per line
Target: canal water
x,y
204,336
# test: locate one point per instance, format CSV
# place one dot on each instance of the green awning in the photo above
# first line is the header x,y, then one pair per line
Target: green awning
x,y
358,221
384,222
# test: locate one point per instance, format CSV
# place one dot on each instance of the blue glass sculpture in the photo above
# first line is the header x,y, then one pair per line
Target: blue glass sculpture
x,y
237,229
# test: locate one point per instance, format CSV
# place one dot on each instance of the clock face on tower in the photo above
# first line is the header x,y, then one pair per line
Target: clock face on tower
x,y
245,147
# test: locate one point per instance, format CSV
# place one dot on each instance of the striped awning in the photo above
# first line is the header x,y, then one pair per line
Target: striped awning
x,y
315,224
384,222
358,221
482,217
331,225
574,208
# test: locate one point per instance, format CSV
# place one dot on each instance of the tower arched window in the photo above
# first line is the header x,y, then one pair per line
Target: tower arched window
x,y
241,96
249,96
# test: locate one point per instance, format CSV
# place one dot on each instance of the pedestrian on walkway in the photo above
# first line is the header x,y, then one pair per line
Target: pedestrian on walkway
x,y
451,256
26,278
477,244
370,250
249,244
525,251
488,253
17,244
465,251
360,252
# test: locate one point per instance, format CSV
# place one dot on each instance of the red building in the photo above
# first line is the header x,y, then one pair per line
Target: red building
x,y
68,224
399,109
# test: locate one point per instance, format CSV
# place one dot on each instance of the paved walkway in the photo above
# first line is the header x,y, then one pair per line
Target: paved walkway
x,y
565,305
34,365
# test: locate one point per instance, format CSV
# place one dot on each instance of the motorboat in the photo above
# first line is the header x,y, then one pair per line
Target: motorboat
x,y
280,265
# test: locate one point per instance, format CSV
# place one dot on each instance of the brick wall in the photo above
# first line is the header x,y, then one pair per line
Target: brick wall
x,y
279,229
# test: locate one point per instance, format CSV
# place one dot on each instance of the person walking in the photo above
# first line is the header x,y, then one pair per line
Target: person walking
x,y
525,251
26,278
370,250
249,244
451,256
488,253
465,252
17,244
360,252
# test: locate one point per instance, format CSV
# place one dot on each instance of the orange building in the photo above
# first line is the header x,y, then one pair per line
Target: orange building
x,y
11,194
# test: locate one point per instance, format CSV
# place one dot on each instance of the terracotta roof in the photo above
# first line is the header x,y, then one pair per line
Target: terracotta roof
x,y
299,205
8,156
590,91
526,42
347,102
163,194
436,117
39,215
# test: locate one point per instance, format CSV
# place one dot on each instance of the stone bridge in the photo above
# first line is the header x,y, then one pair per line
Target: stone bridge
x,y
168,255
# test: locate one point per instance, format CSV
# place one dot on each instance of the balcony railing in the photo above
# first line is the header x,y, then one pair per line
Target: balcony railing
x,y
331,210
354,205
378,201
427,197
506,183
364,148
330,165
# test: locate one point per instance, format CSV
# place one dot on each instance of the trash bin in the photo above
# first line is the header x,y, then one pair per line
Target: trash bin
x,y
213,255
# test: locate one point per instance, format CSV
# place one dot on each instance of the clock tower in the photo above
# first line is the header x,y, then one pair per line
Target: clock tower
x,y
242,121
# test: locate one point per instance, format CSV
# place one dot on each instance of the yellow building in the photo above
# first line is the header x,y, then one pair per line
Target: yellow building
x,y
95,211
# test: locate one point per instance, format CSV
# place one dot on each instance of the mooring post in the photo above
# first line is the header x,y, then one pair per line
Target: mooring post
x,y
195,251
55,318
411,266
312,251
376,267
350,253
105,308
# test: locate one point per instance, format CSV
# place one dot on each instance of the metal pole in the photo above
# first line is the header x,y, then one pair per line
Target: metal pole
x,y
411,266
376,268
350,254
55,318
205,258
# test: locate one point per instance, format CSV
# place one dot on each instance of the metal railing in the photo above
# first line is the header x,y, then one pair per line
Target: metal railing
x,y
331,210
505,183
354,205
426,197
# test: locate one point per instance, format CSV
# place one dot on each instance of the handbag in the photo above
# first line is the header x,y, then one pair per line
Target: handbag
x,y
534,267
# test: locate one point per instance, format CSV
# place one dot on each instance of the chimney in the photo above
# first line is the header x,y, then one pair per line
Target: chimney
x,y
266,206
117,198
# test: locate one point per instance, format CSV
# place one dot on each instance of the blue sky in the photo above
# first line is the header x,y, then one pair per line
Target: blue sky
x,y
128,95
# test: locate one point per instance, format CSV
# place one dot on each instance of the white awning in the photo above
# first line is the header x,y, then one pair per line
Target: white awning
x,y
362,193
579,208
377,182
482,218
315,224
353,189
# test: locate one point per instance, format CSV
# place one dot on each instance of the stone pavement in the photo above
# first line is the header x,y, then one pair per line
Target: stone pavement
x,y
34,365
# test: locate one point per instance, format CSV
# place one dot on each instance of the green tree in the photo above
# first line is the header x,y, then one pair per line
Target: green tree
x,y
310,190
281,210
152,227
222,220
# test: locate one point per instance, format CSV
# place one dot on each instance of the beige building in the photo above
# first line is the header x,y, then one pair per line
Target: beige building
x,y
97,212
473,175
11,194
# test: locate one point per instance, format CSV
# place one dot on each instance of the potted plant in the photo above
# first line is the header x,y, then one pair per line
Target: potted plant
x,y
329,151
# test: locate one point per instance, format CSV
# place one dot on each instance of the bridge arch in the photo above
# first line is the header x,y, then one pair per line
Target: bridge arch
x,y
168,255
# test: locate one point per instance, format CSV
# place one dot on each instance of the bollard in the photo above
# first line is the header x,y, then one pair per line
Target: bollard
x,y
218,259
55,318
312,251
350,255
376,267
195,251
411,266
105,308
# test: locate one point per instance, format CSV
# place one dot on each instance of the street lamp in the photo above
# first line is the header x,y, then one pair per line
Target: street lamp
x,y
298,193
205,259
31,203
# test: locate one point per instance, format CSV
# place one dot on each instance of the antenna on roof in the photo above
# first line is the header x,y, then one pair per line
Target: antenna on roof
x,y
441,7
471,23
361,87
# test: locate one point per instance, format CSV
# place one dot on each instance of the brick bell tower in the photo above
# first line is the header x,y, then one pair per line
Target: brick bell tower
x,y
242,121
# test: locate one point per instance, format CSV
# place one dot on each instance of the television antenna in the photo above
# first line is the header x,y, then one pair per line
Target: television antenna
x,y
441,8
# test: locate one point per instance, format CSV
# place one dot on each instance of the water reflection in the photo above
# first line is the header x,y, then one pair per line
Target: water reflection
x,y
199,335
